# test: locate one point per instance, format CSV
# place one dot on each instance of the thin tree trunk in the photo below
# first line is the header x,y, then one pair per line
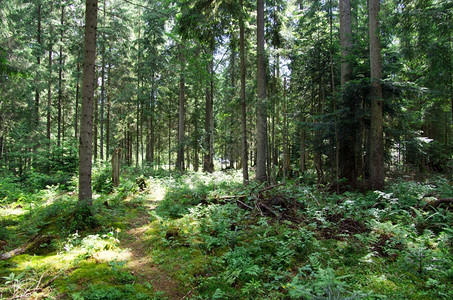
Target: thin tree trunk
x,y
334,98
76,115
107,125
376,130
49,91
286,162
101,146
169,134
95,125
261,121
181,112
245,167
302,150
38,58
86,124
60,78
208,160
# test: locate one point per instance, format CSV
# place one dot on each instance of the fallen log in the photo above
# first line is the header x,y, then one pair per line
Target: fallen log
x,y
32,243
438,202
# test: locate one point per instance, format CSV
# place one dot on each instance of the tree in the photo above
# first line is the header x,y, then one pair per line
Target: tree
x,y
86,122
346,162
261,109
244,148
376,180
181,112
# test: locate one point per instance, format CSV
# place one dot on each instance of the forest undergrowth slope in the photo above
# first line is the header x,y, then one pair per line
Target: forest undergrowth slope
x,y
199,236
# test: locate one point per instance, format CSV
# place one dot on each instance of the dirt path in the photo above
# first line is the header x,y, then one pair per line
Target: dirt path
x,y
140,262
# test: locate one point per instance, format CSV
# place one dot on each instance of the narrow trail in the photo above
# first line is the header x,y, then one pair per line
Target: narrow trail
x,y
140,261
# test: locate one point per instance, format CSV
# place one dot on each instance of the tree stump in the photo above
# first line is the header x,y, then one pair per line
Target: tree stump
x,y
116,166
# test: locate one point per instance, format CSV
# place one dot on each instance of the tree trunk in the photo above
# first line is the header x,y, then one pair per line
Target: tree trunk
x,y
181,113
261,121
60,78
347,135
376,130
49,91
86,124
107,125
101,146
302,151
286,161
76,115
245,167
95,125
208,160
116,166
169,134
38,59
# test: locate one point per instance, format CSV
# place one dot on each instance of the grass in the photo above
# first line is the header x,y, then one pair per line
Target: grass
x,y
179,238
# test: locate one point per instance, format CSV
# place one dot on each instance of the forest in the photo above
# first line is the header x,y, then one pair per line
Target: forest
x,y
226,149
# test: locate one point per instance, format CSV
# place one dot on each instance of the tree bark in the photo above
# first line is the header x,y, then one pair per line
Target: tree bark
x,y
261,121
49,91
347,134
376,129
181,113
245,167
208,160
38,58
107,125
86,124
60,78
116,166
76,115
101,146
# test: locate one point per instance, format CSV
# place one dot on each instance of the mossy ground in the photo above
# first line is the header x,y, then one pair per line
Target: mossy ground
x,y
178,239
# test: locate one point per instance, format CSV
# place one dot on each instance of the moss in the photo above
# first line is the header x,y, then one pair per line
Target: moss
x,y
87,272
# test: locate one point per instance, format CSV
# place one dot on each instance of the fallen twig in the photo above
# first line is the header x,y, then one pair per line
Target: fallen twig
x,y
242,203
268,209
271,187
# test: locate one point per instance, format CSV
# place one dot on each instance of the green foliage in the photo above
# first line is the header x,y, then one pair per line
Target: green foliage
x,y
102,178
380,244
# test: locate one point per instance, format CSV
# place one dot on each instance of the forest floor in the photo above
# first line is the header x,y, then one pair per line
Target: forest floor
x,y
140,263
205,236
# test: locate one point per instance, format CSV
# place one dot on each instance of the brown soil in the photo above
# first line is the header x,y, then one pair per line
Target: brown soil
x,y
140,262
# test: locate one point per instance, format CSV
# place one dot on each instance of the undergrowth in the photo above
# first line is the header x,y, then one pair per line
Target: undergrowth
x,y
219,240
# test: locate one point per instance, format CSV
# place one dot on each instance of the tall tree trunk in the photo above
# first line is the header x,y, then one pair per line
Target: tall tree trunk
x,y
181,113
169,134
38,59
261,121
96,122
86,124
139,95
151,138
208,160
376,129
101,146
60,78
107,125
244,150
334,99
76,115
286,161
347,135
49,91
